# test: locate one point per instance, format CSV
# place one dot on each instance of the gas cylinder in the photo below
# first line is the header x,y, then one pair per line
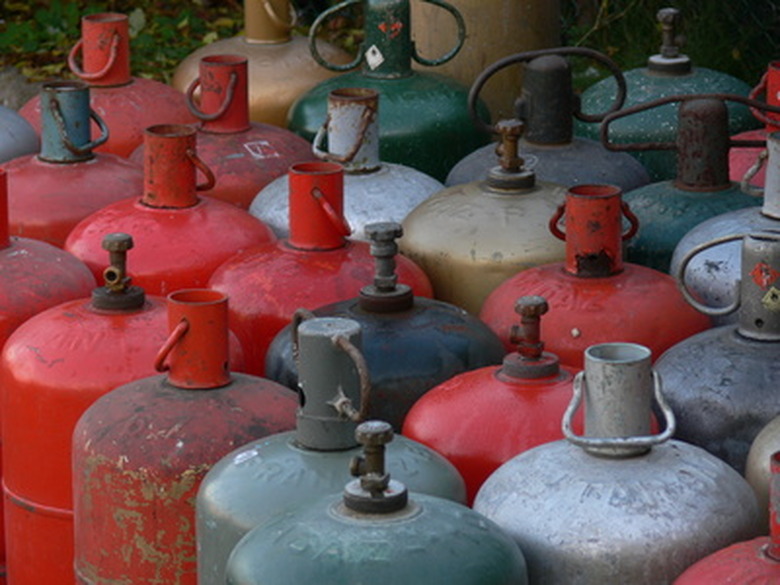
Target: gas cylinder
x,y
53,367
594,296
470,238
376,532
667,210
617,505
50,192
243,156
667,73
712,275
250,485
731,393
411,344
141,451
425,119
743,159
315,266
756,561
546,105
17,137
181,238
482,418
281,67
758,470
373,190
127,104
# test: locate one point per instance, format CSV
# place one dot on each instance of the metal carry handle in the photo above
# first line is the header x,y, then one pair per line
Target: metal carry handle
x,y
277,20
74,66
366,119
744,184
175,336
315,53
54,106
337,221
627,213
460,23
612,443
754,93
641,146
526,56
211,180
229,93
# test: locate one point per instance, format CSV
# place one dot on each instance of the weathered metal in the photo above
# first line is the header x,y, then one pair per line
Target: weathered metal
x,y
263,478
594,296
425,120
755,561
411,344
547,105
617,505
243,156
281,67
482,418
379,533
758,470
470,238
315,266
50,192
373,190
141,451
724,403
669,72
181,238
17,137
127,104
667,210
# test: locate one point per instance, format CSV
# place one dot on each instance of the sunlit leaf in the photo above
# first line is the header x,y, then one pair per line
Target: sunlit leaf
x,y
210,37
136,21
224,22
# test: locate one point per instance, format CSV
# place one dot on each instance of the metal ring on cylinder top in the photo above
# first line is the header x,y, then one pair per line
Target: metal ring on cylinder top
x,y
106,68
54,106
344,405
368,116
223,106
460,23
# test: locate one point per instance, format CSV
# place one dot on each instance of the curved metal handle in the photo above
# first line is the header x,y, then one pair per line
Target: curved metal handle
x,y
744,184
174,338
460,23
641,146
627,213
679,275
754,93
343,404
525,56
59,121
114,51
339,222
366,119
313,39
612,443
277,20
229,93
211,180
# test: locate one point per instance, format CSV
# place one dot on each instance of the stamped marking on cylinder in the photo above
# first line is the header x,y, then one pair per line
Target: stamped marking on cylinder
x,y
763,274
392,29
374,57
261,149
771,300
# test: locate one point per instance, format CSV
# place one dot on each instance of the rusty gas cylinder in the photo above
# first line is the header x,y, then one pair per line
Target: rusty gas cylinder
x,y
482,418
316,265
127,104
410,343
244,156
53,190
180,237
141,451
594,296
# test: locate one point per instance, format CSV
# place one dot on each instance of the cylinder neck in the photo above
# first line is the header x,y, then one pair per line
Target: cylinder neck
x,y
773,548
353,129
327,375
317,206
224,93
546,103
703,146
388,41
267,21
773,93
618,394
196,354
594,241
669,61
759,294
5,240
105,41
771,204
117,293
170,172
385,295
65,122
530,361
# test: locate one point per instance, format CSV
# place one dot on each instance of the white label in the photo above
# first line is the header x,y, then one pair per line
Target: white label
x,y
261,149
374,57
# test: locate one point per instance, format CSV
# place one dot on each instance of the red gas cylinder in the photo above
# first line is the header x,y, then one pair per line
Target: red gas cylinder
x,y
141,451
753,562
743,159
243,156
55,189
180,238
315,266
595,297
127,104
482,418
